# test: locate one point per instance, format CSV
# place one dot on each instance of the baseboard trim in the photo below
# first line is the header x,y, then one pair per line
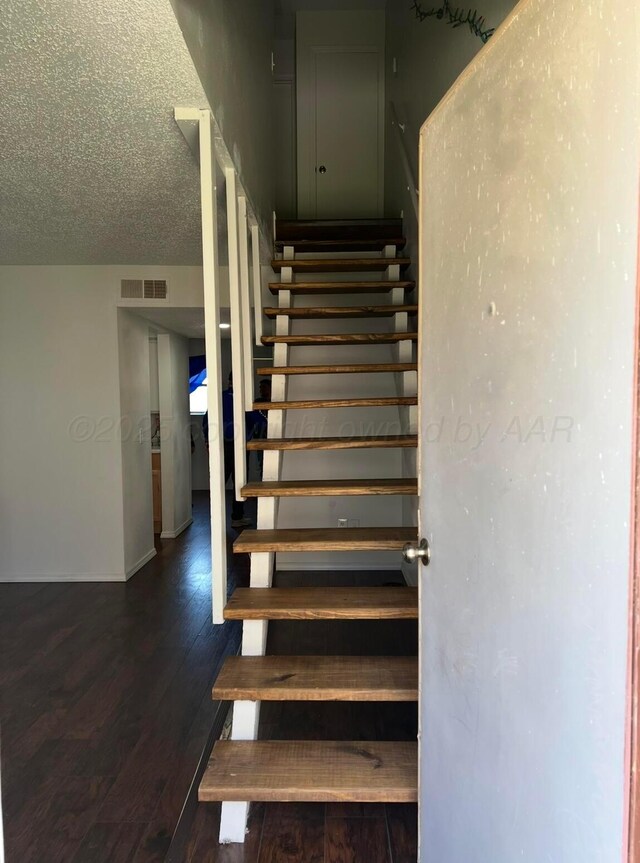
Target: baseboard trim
x,y
172,534
55,577
289,566
144,559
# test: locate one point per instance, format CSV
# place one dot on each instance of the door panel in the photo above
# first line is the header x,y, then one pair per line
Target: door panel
x,y
347,134
340,113
529,203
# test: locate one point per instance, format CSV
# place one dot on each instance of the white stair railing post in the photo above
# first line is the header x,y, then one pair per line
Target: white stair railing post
x,y
256,275
237,351
214,366
245,299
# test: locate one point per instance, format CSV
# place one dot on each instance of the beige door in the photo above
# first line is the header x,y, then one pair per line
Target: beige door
x,y
346,99
340,114
529,237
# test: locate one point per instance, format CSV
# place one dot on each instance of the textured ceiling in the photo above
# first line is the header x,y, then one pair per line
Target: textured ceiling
x,y
93,168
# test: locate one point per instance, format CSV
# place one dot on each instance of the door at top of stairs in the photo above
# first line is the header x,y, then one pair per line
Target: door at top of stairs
x,y
340,114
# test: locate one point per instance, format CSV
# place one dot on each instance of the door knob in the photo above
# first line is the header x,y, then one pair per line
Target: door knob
x,y
322,169
412,552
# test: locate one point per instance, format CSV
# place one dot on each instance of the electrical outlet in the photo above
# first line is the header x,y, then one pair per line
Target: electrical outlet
x,y
353,522
343,522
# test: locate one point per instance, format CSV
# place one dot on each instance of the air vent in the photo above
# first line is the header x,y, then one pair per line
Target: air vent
x,y
155,289
143,289
131,289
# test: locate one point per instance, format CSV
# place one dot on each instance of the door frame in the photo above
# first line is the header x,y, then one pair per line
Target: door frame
x,y
632,755
355,31
280,82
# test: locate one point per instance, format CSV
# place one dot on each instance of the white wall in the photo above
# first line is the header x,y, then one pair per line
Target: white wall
x,y
61,483
61,514
173,366
135,409
530,202
429,57
231,45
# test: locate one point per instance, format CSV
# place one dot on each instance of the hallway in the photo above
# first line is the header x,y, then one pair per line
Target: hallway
x,y
106,704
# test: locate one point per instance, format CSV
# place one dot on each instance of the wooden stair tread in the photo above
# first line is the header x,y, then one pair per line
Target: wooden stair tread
x,y
337,229
317,678
383,442
325,539
318,312
340,265
309,404
291,770
342,245
329,487
367,287
342,369
341,339
323,603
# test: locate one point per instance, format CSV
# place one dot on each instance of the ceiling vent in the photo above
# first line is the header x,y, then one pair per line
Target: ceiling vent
x,y
143,289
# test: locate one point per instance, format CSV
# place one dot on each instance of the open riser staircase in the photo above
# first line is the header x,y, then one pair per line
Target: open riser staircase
x,y
341,433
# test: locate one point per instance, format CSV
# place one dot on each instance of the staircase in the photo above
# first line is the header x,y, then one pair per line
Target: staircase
x,y
359,265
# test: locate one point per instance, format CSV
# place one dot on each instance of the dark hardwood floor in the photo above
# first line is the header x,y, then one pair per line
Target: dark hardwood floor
x,y
106,704
105,709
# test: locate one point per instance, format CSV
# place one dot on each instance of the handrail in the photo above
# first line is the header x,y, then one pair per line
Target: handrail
x,y
211,286
401,129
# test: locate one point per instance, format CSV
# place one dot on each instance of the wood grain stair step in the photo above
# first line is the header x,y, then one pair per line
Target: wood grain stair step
x,y
307,771
382,442
317,678
330,487
340,265
323,603
319,312
361,244
367,287
325,539
337,229
310,404
341,339
343,369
